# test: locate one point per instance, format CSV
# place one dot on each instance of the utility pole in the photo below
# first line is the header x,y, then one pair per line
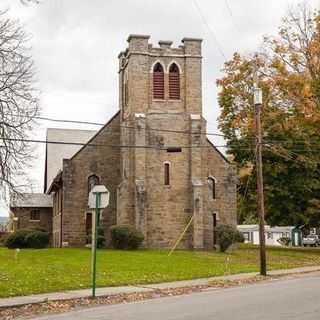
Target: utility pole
x,y
257,117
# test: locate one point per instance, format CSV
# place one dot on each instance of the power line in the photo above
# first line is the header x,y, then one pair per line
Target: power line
x,y
292,153
122,126
78,98
105,145
234,22
264,141
209,29
292,141
79,143
70,121
284,157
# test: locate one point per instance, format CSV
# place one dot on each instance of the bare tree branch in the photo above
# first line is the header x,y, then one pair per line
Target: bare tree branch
x,y
18,96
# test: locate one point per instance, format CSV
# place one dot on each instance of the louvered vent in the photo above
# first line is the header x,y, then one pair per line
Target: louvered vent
x,y
174,82
158,82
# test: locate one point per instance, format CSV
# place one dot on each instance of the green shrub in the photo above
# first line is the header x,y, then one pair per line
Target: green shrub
x,y
226,234
126,237
30,237
16,239
285,241
32,229
239,237
37,239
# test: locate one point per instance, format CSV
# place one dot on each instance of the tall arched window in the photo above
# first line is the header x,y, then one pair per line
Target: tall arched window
x,y
158,82
212,186
166,174
174,82
93,180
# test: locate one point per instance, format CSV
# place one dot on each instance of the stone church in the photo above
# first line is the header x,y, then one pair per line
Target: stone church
x,y
160,100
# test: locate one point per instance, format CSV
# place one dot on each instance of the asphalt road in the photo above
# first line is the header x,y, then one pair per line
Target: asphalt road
x,y
296,298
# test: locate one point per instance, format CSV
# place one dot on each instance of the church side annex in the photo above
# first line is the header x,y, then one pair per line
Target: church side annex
x,y
160,100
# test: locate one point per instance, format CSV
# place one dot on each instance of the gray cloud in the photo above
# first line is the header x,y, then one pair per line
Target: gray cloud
x,y
76,43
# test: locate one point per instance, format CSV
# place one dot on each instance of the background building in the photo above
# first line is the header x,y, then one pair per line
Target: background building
x,y
32,209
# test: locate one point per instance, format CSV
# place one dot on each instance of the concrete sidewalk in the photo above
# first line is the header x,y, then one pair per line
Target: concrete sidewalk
x,y
65,295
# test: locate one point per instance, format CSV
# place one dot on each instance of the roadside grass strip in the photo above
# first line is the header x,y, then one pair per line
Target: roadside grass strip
x,y
54,270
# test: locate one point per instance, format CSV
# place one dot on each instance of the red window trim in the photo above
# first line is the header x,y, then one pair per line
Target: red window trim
x,y
174,82
158,82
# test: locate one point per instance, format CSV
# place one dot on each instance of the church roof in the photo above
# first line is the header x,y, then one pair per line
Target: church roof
x,y
32,200
55,153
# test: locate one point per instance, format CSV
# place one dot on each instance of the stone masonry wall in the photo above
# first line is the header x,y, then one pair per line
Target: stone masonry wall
x,y
56,218
24,221
105,163
225,204
162,212
168,206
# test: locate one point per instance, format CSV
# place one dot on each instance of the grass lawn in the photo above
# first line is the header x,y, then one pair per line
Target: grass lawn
x,y
46,270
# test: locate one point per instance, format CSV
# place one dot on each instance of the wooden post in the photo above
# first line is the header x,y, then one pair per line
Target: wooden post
x,y
257,117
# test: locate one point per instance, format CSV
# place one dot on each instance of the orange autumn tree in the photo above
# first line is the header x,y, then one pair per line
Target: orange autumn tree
x,y
289,75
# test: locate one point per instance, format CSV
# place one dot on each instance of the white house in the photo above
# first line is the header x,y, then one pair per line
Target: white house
x,y
272,234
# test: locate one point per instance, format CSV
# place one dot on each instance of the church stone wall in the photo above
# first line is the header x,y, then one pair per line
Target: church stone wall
x,y
162,212
135,175
102,161
168,207
225,204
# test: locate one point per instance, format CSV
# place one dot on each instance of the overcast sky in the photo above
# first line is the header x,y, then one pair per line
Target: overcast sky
x,y
76,44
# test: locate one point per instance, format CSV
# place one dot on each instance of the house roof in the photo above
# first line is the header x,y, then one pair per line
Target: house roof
x,y
255,227
280,229
247,227
32,200
55,153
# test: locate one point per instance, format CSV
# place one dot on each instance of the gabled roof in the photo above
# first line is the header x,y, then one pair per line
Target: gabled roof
x,y
96,134
55,153
55,183
32,200
219,152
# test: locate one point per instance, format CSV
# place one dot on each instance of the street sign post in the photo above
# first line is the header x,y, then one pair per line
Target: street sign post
x,y
98,199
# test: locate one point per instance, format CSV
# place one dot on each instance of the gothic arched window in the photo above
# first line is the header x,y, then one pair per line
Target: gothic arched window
x,y
93,180
212,186
174,82
158,82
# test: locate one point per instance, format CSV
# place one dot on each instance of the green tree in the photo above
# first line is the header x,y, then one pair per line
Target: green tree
x,y
290,79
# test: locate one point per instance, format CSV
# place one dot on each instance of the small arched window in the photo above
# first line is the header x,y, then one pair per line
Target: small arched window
x,y
174,82
93,180
158,82
212,186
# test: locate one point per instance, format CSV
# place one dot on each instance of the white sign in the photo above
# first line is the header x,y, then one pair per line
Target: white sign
x,y
257,96
104,197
